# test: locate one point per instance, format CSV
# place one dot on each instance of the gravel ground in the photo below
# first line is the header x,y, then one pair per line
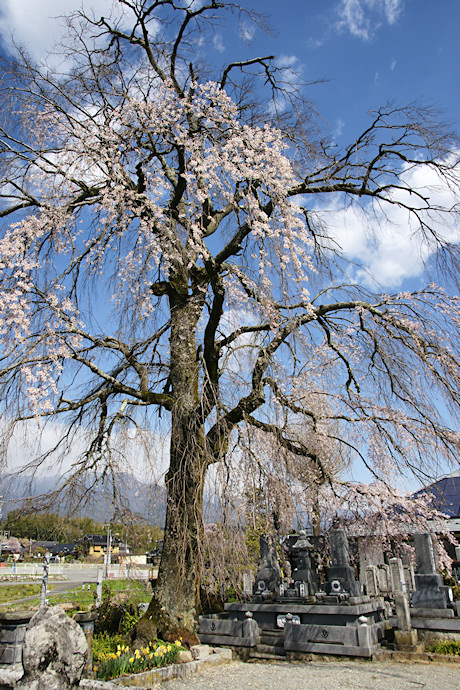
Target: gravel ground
x,y
319,675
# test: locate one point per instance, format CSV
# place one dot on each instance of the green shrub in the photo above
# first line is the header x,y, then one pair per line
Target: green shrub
x,y
129,620
445,647
114,617
104,643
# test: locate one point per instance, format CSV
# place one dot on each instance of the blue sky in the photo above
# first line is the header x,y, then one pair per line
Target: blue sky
x,y
368,52
371,52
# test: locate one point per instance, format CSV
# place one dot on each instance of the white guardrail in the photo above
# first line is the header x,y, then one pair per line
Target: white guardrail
x,y
115,571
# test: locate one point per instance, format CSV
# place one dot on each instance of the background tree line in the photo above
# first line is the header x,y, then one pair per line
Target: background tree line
x,y
53,527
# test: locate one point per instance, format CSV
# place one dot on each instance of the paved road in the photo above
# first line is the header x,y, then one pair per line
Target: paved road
x,y
318,675
75,578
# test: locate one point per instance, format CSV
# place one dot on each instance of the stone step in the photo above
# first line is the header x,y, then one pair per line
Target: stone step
x,y
277,650
272,641
273,633
255,654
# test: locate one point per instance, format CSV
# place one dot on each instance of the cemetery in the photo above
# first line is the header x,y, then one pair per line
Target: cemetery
x,y
291,613
284,617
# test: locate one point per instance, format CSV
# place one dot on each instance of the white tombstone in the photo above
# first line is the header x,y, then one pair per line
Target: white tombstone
x,y
248,581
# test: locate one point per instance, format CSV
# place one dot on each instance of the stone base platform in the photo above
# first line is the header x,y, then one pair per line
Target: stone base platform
x,y
339,629
433,624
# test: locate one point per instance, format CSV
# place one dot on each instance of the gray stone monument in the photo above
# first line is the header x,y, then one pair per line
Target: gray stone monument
x,y
268,577
406,639
302,574
248,581
398,582
383,579
372,584
428,583
341,576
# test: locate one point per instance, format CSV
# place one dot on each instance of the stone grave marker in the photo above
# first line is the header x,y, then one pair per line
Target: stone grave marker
x,y
409,577
428,583
372,585
383,579
248,581
341,576
268,577
398,582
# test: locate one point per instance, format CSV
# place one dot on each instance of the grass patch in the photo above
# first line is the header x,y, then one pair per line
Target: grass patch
x,y
122,590
9,593
104,644
81,599
445,647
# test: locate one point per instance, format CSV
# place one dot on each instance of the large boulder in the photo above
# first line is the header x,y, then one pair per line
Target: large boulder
x,y
54,653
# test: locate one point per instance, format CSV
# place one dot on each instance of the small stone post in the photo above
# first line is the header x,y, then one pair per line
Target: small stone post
x,y
99,587
406,639
397,575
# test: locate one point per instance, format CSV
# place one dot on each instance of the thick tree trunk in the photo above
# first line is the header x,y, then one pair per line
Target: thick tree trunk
x,y
173,611
176,597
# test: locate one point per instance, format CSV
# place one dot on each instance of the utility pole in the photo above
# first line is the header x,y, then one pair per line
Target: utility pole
x,y
108,558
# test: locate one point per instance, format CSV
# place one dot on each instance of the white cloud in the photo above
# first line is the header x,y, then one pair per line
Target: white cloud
x,y
340,124
34,438
218,43
194,5
384,239
363,17
393,65
247,32
39,24
287,61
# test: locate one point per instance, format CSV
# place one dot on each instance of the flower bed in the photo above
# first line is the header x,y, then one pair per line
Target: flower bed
x,y
117,662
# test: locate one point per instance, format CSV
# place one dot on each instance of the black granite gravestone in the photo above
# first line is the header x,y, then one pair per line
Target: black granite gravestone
x,y
341,576
268,577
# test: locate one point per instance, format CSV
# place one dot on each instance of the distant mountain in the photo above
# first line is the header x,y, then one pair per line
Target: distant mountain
x,y
145,500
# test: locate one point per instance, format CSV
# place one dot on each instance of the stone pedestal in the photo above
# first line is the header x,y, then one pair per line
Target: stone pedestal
x,y
86,622
234,632
339,629
407,641
12,631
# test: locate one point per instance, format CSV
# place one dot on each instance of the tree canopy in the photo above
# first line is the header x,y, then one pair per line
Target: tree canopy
x,y
164,252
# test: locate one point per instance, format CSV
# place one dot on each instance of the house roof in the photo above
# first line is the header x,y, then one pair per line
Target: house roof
x,y
445,494
97,539
12,545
